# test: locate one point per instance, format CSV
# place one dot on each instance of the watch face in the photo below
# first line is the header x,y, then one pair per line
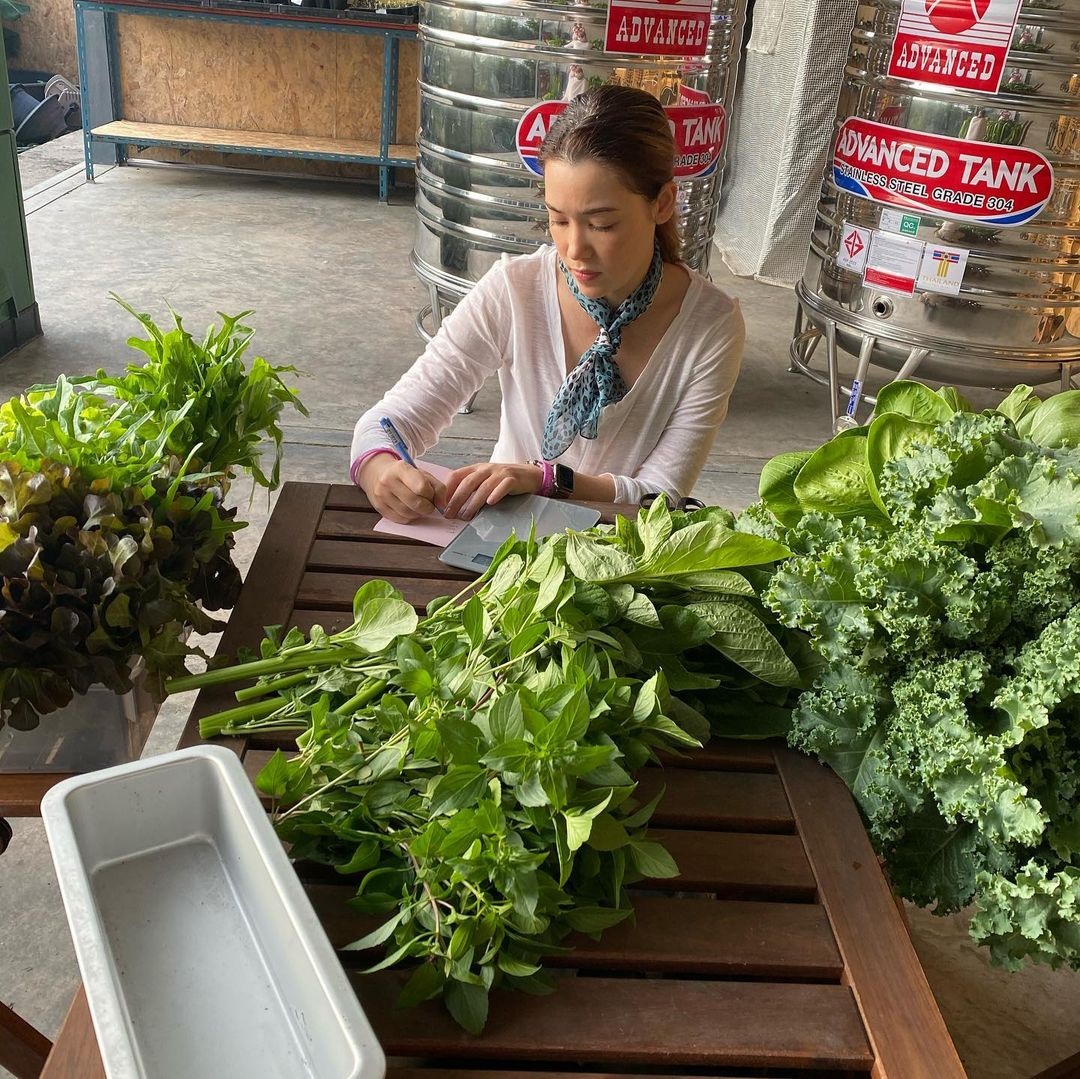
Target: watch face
x,y
564,478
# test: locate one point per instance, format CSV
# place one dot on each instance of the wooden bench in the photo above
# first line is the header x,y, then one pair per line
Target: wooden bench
x,y
780,945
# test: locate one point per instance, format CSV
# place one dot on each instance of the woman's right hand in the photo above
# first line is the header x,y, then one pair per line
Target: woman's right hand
x,y
399,491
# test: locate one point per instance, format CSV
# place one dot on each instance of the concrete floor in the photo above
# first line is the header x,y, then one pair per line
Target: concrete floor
x,y
41,164
326,270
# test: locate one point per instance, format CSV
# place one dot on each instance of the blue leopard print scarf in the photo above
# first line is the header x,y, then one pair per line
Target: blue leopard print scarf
x,y
595,380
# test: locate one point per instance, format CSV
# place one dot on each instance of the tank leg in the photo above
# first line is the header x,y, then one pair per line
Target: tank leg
x,y
436,307
832,359
848,419
912,363
1067,370
792,369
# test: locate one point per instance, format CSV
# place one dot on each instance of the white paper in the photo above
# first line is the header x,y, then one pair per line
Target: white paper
x,y
435,528
893,263
942,269
854,247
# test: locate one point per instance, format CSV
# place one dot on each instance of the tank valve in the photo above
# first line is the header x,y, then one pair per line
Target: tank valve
x,y
882,306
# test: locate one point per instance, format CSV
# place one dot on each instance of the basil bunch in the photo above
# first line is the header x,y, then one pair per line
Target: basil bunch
x,y
476,767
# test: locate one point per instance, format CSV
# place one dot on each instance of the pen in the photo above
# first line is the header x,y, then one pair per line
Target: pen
x,y
387,425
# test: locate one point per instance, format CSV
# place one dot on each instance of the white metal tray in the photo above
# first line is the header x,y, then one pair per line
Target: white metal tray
x,y
200,953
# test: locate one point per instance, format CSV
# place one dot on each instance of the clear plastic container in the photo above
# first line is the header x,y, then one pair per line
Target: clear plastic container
x,y
98,729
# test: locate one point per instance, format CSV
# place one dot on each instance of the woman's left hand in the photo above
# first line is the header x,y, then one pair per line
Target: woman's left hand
x,y
471,488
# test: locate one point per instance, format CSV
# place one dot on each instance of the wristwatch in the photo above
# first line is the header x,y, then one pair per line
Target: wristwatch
x,y
563,486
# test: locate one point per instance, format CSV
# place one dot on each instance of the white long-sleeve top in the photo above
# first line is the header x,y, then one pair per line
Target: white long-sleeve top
x,y
657,438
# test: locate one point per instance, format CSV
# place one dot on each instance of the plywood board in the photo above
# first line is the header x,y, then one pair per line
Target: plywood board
x,y
133,132
47,39
258,78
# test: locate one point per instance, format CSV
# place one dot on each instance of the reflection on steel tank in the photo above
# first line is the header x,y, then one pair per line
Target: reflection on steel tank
x,y
946,241
483,64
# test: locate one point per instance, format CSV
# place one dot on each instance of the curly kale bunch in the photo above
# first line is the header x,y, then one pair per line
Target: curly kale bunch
x,y
936,568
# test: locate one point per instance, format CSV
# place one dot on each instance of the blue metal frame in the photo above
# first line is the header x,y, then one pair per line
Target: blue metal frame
x,y
84,89
390,32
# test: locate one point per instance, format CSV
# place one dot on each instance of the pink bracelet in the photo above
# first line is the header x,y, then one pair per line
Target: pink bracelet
x,y
547,484
354,468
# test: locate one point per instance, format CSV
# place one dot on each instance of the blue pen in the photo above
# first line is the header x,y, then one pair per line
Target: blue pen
x,y
387,425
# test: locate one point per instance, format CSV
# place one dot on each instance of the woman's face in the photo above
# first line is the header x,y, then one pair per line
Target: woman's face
x,y
602,230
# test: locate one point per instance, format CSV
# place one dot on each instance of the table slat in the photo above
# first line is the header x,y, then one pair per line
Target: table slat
x,y
731,801
331,621
683,936
736,865
733,865
713,800
343,496
908,1034
335,591
726,755
21,792
617,1022
395,559
358,525
440,1072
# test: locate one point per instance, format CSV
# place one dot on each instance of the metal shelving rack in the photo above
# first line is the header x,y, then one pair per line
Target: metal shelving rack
x,y
386,153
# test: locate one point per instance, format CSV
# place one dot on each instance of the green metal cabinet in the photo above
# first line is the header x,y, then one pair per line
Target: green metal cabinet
x,y
19,320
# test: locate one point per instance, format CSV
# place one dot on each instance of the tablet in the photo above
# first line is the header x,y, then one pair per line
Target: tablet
x,y
475,545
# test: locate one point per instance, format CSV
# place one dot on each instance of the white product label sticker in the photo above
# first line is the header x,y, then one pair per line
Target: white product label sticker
x,y
854,247
893,263
942,269
898,221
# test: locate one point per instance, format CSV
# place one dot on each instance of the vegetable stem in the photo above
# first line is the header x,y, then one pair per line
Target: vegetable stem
x,y
315,658
219,722
368,692
262,689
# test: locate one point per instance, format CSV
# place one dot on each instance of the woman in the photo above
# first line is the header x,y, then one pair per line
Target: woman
x,y
615,360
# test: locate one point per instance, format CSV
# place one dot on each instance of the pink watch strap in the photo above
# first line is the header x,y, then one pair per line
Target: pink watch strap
x,y
354,468
547,484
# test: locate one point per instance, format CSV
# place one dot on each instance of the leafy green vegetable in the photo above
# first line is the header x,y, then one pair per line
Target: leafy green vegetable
x,y
914,401
192,410
475,768
113,533
948,623
93,578
836,479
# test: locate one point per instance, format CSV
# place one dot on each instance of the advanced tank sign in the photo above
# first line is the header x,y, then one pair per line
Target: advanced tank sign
x,y
658,27
699,131
968,180
958,43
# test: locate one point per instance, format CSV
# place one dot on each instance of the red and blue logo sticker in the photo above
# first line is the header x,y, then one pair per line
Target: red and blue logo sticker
x,y
963,179
699,128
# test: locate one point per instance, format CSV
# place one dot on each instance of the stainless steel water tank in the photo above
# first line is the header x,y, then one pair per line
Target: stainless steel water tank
x,y
1016,316
483,64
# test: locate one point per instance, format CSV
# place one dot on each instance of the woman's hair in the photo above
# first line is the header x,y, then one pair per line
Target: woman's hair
x,y
627,130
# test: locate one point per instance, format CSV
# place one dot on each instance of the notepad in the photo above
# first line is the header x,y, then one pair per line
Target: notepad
x,y
434,529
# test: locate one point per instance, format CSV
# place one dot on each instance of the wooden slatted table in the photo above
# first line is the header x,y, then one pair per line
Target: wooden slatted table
x,y
778,947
